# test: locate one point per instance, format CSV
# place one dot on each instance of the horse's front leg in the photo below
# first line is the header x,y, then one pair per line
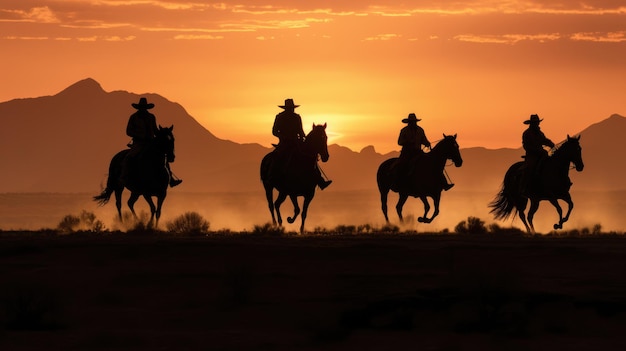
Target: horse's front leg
x,y
296,209
401,201
436,202
160,200
534,206
152,209
131,203
559,210
424,219
305,210
279,201
118,202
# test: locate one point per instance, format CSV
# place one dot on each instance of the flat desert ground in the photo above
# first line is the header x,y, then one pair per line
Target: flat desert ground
x,y
156,291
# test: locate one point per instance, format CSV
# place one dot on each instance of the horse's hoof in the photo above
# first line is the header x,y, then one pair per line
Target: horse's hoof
x,y
421,219
290,220
558,226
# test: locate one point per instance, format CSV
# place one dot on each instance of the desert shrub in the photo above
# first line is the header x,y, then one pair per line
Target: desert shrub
x,y
188,223
473,225
68,224
597,229
496,229
268,229
390,228
365,229
320,230
86,221
345,229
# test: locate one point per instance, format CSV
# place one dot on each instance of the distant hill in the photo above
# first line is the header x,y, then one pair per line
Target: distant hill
x,y
64,142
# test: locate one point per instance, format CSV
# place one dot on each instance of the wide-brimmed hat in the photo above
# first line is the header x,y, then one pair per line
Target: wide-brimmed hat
x,y
143,104
411,118
534,119
288,104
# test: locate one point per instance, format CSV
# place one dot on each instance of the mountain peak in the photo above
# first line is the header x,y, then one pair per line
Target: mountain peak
x,y
85,85
368,150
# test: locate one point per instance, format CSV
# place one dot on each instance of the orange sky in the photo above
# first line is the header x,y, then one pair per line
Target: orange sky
x,y
475,68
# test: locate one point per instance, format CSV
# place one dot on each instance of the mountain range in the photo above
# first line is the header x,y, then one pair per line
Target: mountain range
x,y
63,143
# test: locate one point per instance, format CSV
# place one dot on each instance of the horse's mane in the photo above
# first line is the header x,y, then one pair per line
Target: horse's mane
x,y
316,128
558,148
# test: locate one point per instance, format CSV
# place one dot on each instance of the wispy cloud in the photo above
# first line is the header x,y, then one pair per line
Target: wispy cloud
x,y
198,37
611,37
25,38
383,37
41,14
507,38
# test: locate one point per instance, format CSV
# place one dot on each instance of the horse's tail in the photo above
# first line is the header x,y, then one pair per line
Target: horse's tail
x,y
383,179
115,170
265,167
504,204
104,196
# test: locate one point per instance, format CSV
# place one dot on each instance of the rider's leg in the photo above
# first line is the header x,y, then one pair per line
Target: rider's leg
x,y
444,183
174,181
321,182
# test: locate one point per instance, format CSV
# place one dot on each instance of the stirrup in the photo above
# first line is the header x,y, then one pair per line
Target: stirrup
x,y
175,182
325,184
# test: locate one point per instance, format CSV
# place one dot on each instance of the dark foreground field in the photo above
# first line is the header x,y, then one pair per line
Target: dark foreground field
x,y
245,292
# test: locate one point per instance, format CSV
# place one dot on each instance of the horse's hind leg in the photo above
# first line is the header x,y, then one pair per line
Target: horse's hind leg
x,y
534,206
269,195
118,202
521,208
296,209
383,202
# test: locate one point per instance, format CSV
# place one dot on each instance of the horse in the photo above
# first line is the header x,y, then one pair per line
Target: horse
x,y
148,177
300,178
551,183
427,182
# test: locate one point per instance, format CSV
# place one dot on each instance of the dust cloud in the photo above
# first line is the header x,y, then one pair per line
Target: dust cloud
x,y
244,211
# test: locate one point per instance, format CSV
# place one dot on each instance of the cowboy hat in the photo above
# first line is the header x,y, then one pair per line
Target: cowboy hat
x,y
411,118
288,103
143,104
534,119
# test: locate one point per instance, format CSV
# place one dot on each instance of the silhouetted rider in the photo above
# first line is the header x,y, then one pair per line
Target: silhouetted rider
x,y
142,127
288,128
533,141
412,137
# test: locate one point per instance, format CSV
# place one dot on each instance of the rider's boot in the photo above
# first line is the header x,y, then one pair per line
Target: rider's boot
x,y
445,185
174,181
323,184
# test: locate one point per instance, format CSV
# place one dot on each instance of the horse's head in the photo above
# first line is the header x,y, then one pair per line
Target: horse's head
x,y
572,152
164,142
449,148
317,141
